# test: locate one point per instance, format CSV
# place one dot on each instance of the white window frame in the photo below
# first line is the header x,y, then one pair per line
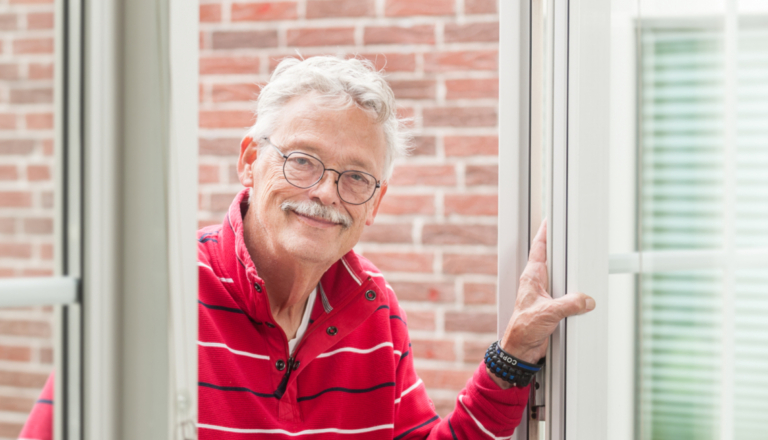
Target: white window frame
x,y
125,285
575,384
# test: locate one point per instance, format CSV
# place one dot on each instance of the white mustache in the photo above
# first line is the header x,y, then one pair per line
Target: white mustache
x,y
317,210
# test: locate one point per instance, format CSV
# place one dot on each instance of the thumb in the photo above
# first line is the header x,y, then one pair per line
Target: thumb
x,y
574,304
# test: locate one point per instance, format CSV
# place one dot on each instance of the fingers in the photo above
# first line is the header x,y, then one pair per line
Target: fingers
x,y
539,245
573,304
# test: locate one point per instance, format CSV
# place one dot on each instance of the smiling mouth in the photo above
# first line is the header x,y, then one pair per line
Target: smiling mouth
x,y
316,221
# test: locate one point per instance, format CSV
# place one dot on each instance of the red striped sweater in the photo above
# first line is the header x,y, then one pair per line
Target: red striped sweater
x,y
351,375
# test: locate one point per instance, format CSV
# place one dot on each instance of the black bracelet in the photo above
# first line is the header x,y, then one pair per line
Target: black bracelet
x,y
509,368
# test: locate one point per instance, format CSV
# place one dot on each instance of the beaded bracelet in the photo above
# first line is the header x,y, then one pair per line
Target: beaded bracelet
x,y
509,368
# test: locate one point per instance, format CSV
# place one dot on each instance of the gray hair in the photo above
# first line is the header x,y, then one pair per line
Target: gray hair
x,y
339,83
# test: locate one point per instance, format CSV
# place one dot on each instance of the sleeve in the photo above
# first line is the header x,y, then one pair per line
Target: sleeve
x,y
483,409
39,425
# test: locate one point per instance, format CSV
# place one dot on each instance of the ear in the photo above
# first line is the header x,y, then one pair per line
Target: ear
x,y
248,153
376,203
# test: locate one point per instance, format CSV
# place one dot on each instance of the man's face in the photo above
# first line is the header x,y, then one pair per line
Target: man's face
x,y
343,140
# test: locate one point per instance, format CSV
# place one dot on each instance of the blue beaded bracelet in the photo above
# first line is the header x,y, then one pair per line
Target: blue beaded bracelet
x,y
509,368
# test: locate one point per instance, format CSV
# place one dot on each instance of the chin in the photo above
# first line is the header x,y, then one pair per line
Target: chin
x,y
310,249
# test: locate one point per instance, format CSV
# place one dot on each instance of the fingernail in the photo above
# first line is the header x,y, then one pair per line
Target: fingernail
x,y
590,304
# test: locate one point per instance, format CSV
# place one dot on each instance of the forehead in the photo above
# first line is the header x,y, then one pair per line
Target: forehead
x,y
347,136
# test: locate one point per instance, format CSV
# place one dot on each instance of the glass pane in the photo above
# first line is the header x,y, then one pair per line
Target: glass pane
x,y
27,200
689,150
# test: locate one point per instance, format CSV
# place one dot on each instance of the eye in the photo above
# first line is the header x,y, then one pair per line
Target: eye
x,y
301,161
359,178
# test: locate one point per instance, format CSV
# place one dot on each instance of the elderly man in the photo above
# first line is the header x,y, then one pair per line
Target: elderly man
x,y
299,335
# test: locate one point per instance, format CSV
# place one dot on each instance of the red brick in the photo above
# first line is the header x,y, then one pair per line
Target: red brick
x,y
471,32
393,62
38,225
464,60
424,146
459,234
404,8
421,34
46,251
432,292
444,379
10,430
460,117
208,173
42,20
203,223
219,147
15,199
37,273
229,65
40,71
232,173
48,147
401,261
226,119
210,13
15,250
8,22
471,204
47,199
32,96
15,353
7,225
482,175
340,8
414,89
46,355
234,92
477,322
480,6
442,350
469,263
471,145
38,173
244,39
39,121
7,121
264,11
442,175
25,328
33,45
479,293
421,320
378,233
31,2
321,37
8,172
475,350
407,204
444,406
9,71
472,88
221,202
22,379
16,404
17,146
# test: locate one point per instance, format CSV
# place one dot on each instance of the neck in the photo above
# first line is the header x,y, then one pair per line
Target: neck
x,y
288,281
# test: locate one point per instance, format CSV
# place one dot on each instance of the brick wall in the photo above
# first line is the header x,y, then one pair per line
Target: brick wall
x,y
26,199
435,236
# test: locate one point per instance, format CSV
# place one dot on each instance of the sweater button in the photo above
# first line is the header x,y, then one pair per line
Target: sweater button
x,y
296,365
332,330
257,287
280,365
370,295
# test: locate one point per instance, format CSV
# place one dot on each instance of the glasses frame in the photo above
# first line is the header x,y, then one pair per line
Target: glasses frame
x,y
340,173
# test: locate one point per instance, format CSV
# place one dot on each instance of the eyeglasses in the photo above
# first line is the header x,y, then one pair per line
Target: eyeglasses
x,y
304,171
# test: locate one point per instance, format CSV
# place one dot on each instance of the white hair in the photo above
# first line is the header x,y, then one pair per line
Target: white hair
x,y
339,83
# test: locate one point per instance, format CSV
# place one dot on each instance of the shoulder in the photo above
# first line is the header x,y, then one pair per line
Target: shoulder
x,y
207,241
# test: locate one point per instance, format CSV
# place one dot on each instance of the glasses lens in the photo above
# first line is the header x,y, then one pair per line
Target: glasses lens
x,y
356,186
302,170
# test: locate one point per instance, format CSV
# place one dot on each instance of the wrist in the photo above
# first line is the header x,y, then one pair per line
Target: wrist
x,y
503,384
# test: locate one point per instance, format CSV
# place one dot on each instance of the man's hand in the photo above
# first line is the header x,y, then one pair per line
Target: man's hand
x,y
536,314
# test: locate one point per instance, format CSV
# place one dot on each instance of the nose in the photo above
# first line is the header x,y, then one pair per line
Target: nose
x,y
325,190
